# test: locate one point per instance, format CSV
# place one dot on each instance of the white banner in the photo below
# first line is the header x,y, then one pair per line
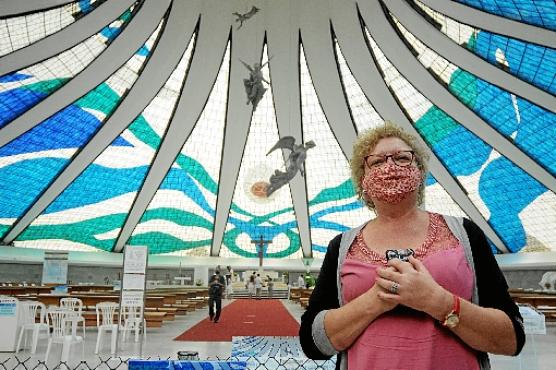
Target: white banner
x,y
55,268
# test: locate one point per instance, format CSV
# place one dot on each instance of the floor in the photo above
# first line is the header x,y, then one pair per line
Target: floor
x,y
160,343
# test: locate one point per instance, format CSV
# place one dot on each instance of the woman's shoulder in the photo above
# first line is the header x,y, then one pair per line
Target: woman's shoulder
x,y
334,244
461,220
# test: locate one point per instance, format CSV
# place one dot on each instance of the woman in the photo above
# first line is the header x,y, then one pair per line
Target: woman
x,y
442,309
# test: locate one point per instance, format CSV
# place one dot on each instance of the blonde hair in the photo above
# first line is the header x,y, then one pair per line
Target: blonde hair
x,y
368,140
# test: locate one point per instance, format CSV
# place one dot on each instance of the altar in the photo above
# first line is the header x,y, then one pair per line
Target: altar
x,y
183,279
274,275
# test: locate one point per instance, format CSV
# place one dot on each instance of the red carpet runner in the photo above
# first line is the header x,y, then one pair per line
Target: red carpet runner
x,y
243,317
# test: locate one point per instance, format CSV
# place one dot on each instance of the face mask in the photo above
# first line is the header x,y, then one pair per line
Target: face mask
x,y
391,183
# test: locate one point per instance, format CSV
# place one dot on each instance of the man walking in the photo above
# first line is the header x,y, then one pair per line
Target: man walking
x,y
216,286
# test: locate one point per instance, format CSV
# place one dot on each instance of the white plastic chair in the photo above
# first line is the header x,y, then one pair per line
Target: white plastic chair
x,y
29,311
131,317
58,319
75,306
105,322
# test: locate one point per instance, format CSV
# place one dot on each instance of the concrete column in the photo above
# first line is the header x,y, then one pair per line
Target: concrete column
x,y
201,273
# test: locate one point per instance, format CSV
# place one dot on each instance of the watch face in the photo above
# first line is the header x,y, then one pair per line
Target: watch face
x,y
452,320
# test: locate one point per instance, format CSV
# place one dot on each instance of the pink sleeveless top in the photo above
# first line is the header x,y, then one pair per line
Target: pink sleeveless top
x,y
404,338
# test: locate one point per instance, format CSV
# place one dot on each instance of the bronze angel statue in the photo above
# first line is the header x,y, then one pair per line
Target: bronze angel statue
x,y
294,163
245,16
254,84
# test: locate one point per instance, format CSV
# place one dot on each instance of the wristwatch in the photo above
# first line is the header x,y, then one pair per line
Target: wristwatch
x,y
452,318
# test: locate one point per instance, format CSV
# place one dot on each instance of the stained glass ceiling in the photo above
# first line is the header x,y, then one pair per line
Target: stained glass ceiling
x,y
141,128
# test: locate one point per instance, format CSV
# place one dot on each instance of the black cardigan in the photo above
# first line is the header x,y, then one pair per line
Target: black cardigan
x,y
492,289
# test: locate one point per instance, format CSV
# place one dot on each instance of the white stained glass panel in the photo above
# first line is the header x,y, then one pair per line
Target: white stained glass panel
x,y
20,31
364,114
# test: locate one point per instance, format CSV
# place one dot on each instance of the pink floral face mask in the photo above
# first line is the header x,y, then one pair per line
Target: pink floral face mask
x,y
391,183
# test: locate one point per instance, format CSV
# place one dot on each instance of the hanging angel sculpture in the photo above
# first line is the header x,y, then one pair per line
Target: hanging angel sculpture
x,y
254,87
294,163
245,16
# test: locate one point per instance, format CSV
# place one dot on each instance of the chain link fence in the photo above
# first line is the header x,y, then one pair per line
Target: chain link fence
x,y
284,363
30,363
120,363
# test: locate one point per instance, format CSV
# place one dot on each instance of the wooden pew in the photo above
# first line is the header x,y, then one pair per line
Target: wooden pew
x,y
90,288
305,294
542,301
18,290
170,312
295,294
535,299
183,308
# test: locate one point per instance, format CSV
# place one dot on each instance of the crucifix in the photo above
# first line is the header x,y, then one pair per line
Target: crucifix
x,y
260,245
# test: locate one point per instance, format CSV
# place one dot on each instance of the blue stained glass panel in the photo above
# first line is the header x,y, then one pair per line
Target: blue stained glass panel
x,y
536,12
532,63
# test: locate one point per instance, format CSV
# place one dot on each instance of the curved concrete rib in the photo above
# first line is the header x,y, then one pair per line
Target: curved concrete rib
x,y
210,46
422,80
493,23
247,45
359,58
116,55
155,73
283,46
465,59
12,8
64,39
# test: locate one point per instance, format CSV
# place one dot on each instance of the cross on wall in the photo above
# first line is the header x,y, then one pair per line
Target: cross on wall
x,y
260,243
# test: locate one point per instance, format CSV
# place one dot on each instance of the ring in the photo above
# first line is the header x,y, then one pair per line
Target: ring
x,y
394,288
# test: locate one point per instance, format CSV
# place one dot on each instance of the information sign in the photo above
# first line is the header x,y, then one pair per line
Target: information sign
x,y
134,281
132,298
8,309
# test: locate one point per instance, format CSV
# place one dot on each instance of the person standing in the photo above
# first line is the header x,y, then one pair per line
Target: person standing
x,y
229,278
301,281
258,286
441,303
270,285
251,285
216,286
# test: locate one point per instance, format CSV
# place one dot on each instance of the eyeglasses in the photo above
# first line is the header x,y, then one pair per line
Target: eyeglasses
x,y
402,158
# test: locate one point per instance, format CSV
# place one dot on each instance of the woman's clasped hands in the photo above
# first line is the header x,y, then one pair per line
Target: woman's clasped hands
x,y
411,284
